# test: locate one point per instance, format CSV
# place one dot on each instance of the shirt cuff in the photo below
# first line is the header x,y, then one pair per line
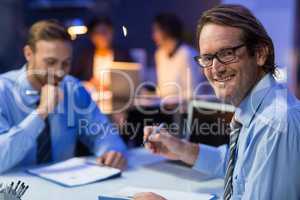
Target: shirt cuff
x,y
109,143
209,160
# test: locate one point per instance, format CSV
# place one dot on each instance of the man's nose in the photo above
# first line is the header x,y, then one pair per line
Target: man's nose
x,y
218,67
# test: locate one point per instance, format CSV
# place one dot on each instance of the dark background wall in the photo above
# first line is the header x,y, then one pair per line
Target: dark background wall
x,y
11,34
17,15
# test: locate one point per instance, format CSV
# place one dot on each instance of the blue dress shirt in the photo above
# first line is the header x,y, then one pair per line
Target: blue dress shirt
x,y
75,117
268,154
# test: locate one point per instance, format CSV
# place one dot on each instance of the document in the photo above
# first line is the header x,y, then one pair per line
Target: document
x,y
128,193
75,172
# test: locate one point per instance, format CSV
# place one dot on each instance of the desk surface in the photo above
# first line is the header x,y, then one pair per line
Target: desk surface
x,y
163,175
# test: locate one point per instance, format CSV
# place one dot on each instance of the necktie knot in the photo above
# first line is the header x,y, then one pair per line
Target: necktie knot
x,y
234,124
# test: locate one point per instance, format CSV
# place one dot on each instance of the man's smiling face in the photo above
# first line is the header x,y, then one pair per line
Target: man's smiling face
x,y
231,81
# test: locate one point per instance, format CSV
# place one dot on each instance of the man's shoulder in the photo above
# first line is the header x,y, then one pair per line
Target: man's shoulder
x,y
8,79
279,108
280,99
73,85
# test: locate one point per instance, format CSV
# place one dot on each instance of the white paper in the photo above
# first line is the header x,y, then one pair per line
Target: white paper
x,y
74,172
167,194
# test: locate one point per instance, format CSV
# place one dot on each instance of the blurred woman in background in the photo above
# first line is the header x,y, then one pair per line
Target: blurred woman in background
x,y
96,52
177,72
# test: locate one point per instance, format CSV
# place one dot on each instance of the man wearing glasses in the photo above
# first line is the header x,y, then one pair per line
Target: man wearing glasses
x,y
262,159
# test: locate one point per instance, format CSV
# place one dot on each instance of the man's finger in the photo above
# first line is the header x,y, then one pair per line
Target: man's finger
x,y
147,132
159,137
117,158
152,146
100,160
108,159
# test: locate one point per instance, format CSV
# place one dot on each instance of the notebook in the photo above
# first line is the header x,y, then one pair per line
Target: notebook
x,y
75,172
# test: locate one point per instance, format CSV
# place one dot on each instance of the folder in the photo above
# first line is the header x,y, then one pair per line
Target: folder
x,y
75,172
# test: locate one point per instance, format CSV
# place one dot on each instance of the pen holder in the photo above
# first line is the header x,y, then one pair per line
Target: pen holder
x,y
12,191
4,196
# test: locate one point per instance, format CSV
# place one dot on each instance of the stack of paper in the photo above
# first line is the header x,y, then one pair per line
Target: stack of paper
x,y
75,172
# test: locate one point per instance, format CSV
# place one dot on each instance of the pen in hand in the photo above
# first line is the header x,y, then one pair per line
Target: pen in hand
x,y
155,131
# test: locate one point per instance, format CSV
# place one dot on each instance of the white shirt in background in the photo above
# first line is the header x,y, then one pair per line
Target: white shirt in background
x,y
178,75
101,67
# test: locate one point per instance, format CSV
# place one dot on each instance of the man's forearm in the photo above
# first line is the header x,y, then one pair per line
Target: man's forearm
x,y
15,143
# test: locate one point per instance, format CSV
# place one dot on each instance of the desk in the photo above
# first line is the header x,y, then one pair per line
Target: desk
x,y
163,175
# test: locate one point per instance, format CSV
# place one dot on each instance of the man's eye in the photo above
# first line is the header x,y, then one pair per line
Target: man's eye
x,y
228,52
207,59
65,65
50,62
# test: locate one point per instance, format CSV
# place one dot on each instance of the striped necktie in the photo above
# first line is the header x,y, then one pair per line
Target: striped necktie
x,y
44,153
44,149
234,135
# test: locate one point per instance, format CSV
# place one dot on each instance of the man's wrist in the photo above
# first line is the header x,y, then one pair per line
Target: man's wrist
x,y
190,153
42,112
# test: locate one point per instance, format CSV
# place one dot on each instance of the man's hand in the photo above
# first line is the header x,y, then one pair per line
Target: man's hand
x,y
49,98
147,196
113,159
169,146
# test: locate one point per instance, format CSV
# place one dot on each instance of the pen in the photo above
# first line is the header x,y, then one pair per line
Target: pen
x,y
155,131
10,187
2,189
20,189
15,190
23,192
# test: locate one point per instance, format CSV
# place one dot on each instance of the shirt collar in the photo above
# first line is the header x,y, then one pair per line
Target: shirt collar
x,y
26,89
248,107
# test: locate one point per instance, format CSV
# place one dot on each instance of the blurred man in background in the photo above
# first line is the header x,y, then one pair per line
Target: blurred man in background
x,y
43,110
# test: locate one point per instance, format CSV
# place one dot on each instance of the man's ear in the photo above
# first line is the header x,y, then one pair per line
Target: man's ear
x,y
28,53
261,55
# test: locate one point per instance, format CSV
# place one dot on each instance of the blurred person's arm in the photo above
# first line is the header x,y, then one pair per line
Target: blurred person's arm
x,y
17,140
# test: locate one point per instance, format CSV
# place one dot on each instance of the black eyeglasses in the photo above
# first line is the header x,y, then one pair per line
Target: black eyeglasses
x,y
224,56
